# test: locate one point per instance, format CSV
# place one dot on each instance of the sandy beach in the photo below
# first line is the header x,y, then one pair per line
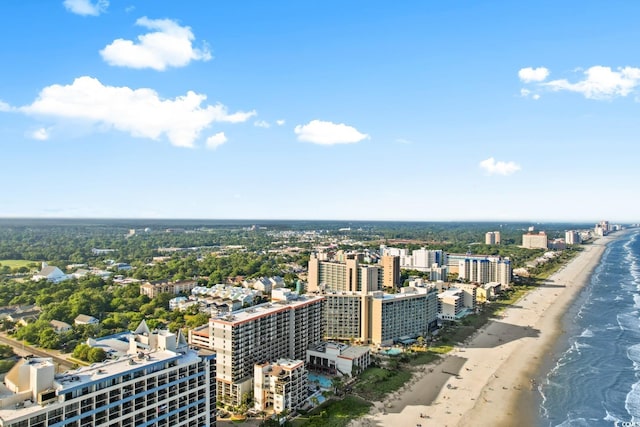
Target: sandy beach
x,y
488,380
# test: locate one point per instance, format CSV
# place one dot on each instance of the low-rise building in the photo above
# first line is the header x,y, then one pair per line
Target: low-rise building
x,y
338,359
153,289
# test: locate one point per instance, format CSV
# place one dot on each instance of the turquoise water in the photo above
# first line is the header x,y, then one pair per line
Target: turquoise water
x,y
323,381
392,352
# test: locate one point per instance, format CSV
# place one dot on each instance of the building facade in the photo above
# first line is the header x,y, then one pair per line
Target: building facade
x,y
150,379
346,275
153,289
535,241
264,333
280,386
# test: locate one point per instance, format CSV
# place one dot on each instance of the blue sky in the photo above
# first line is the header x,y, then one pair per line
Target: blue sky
x,y
415,110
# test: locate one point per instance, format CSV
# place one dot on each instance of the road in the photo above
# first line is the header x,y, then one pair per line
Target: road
x,y
22,349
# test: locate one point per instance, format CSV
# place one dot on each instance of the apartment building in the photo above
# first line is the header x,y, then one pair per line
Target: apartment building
x,y
377,317
390,271
451,304
264,333
483,269
492,238
149,379
279,386
572,237
535,241
153,289
345,275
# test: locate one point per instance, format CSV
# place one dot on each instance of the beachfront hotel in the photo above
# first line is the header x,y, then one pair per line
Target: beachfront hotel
x,y
483,269
149,379
380,318
260,334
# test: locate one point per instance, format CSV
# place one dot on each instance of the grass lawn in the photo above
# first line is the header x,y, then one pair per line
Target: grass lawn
x,y
335,413
375,383
17,263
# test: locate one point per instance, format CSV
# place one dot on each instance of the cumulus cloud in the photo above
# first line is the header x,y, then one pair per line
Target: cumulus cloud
x,y
328,133
4,107
170,45
86,7
492,167
280,122
41,134
601,82
214,141
140,112
261,124
529,74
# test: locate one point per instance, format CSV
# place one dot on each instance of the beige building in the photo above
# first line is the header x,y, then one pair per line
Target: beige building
x,y
492,238
153,289
390,271
379,318
572,237
348,275
535,241
264,333
280,386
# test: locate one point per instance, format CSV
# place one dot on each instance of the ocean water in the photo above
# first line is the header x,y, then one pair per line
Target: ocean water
x,y
594,377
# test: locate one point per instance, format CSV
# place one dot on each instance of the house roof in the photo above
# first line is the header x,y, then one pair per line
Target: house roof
x,y
84,318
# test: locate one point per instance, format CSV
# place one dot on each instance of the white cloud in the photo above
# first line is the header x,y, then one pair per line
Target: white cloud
x,y
214,141
280,122
262,124
86,7
169,46
403,141
328,133
601,82
4,107
529,74
139,112
499,168
41,134
526,93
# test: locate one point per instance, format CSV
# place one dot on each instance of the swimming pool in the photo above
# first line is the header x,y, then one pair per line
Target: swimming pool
x,y
392,352
321,380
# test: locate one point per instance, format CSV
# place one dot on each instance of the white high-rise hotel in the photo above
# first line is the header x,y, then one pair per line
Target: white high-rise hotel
x,y
151,379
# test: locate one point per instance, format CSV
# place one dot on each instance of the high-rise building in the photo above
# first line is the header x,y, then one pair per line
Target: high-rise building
x,y
347,275
492,238
572,237
535,241
150,378
483,268
390,271
263,333
380,318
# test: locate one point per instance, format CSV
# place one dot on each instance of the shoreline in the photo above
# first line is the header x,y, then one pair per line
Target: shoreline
x,y
492,377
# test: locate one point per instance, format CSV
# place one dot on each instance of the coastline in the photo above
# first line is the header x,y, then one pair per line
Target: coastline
x,y
492,376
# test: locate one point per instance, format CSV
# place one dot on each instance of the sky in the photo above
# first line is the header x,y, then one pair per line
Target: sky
x,y
358,110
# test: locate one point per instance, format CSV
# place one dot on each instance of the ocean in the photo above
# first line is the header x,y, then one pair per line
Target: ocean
x,y
593,378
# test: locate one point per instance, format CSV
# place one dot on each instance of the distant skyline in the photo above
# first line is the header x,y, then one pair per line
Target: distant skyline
x,y
411,111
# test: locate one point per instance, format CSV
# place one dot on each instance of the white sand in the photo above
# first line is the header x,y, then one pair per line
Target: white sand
x,y
485,381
